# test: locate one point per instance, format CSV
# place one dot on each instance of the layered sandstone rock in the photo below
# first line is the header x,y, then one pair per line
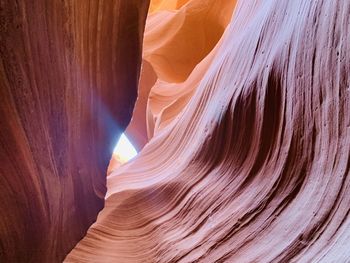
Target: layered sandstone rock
x,y
179,44
255,167
68,81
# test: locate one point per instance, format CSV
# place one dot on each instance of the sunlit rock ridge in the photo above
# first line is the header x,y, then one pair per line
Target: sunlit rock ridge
x,y
240,112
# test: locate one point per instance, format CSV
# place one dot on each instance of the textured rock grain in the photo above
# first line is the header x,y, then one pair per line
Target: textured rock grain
x,y
68,81
256,166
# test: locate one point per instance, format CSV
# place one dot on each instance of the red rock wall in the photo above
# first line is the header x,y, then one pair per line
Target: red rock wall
x,y
68,81
256,166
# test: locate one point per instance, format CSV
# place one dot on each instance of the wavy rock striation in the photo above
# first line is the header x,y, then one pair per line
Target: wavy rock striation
x,y
180,40
256,167
68,81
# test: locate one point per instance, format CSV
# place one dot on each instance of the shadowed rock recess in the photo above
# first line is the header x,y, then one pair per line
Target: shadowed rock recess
x,y
68,81
243,118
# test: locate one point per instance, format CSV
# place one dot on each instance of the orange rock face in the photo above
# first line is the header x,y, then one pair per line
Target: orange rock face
x,y
255,166
179,43
68,81
243,109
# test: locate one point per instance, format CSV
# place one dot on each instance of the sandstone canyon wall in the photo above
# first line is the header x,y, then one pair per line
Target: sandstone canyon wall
x,y
179,43
254,166
68,81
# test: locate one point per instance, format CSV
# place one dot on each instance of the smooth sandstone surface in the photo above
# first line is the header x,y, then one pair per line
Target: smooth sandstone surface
x,y
157,5
180,36
137,128
255,167
69,72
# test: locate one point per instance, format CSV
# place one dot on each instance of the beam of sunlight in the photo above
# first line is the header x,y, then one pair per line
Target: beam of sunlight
x,y
124,150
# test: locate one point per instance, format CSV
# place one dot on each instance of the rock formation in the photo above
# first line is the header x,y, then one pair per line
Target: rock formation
x,y
243,118
254,167
68,81
179,43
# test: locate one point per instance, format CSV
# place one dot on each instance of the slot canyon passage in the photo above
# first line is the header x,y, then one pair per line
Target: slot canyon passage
x,y
239,109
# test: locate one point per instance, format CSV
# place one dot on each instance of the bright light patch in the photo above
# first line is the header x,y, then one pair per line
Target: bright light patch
x,y
124,150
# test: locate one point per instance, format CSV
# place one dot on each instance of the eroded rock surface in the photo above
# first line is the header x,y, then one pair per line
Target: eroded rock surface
x,y
255,168
181,38
68,82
